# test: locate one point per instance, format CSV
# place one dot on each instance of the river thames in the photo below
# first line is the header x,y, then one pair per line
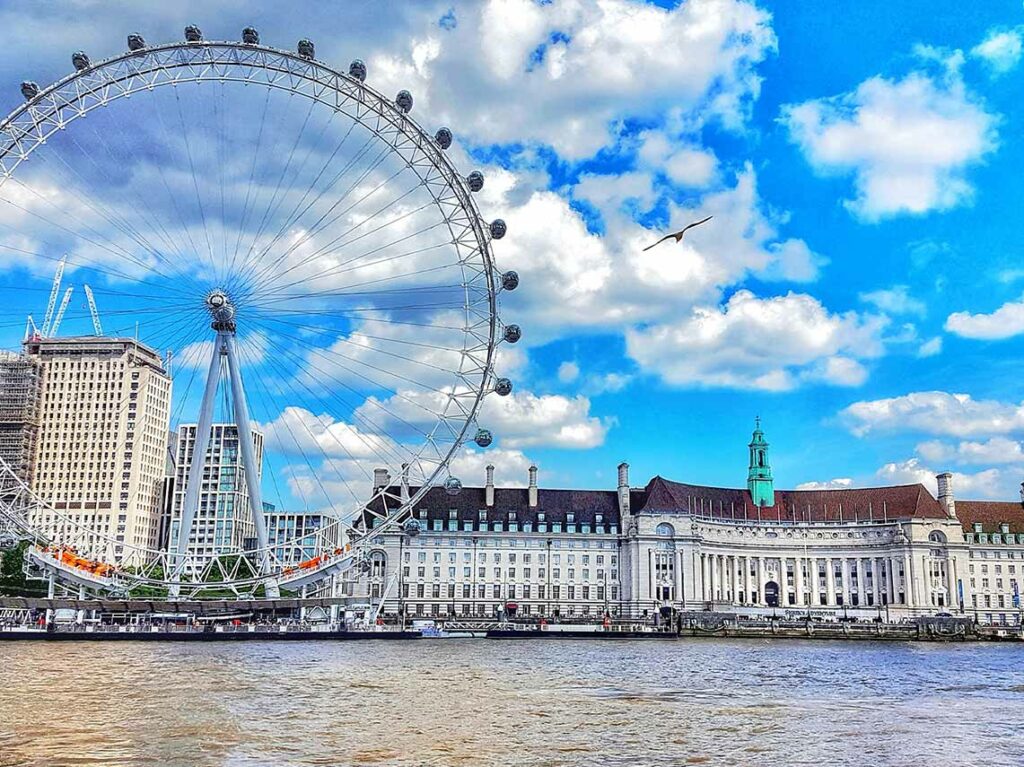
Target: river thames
x,y
478,702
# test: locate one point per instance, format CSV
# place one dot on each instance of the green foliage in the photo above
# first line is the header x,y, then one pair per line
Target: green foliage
x,y
12,574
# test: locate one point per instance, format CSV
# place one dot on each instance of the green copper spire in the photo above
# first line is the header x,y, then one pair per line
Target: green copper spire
x,y
759,475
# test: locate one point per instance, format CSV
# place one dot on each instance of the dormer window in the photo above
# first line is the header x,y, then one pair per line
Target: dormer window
x,y
482,515
540,517
570,517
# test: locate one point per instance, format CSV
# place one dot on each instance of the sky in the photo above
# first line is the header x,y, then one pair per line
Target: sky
x,y
860,286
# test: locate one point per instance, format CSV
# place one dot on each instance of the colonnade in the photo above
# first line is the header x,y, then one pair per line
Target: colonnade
x,y
902,578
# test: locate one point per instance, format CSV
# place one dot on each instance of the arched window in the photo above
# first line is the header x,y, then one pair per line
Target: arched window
x,y
937,536
665,529
378,564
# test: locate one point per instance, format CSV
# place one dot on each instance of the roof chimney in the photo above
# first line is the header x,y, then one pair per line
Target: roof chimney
x,y
624,495
533,487
380,479
489,486
945,482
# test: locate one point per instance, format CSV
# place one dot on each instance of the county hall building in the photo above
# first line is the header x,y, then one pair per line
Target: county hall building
x,y
886,552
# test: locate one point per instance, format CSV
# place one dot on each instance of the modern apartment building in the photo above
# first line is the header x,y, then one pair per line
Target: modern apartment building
x,y
104,411
223,522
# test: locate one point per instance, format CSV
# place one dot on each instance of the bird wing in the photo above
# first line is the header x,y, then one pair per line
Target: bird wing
x,y
666,237
695,223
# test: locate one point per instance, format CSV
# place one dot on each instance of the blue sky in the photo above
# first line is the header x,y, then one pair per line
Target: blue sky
x,y
860,286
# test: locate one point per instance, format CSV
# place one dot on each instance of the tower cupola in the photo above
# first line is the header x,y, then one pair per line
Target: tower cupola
x,y
759,474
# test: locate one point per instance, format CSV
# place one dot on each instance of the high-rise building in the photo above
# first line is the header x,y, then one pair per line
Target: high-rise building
x,y
296,536
104,411
19,413
223,522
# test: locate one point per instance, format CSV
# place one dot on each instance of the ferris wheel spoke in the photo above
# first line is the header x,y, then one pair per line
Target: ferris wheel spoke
x,y
101,172
261,389
96,206
291,218
113,248
330,216
310,363
272,206
195,181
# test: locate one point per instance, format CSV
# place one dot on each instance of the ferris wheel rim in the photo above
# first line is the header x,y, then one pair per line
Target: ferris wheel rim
x,y
20,143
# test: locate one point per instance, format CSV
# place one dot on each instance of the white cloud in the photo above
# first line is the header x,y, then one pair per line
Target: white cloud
x,y
930,348
1004,322
522,419
934,412
895,300
755,343
568,371
511,467
698,57
1001,50
839,483
907,142
682,163
997,450
986,484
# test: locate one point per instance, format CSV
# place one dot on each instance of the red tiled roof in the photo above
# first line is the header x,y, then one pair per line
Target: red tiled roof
x,y
991,514
870,503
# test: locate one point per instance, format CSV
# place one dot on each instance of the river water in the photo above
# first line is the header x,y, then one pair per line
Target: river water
x,y
481,702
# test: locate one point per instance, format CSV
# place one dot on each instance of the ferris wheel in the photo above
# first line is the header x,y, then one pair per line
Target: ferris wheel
x,y
306,260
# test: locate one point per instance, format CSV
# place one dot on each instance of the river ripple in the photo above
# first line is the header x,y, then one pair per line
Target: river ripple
x,y
477,702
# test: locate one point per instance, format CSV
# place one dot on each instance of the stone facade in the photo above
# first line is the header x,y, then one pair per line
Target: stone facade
x,y
888,552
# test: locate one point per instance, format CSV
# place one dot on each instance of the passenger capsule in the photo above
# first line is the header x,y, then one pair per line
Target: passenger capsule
x,y
136,42
357,69
476,181
193,34
510,280
503,387
29,90
483,438
498,229
250,36
404,101
306,49
452,486
80,60
443,137
512,333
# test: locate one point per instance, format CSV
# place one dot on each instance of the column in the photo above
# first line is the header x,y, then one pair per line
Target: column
x,y
950,584
907,582
812,572
747,580
705,578
890,587
830,582
760,580
798,574
650,575
714,577
679,595
732,578
844,571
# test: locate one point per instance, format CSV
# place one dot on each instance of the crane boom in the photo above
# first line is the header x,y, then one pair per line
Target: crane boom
x,y
92,310
60,312
54,291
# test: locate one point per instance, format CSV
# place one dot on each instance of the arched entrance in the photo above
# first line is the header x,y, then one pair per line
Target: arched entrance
x,y
771,594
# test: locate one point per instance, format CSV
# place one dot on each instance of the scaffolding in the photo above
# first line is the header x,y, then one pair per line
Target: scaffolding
x,y
20,393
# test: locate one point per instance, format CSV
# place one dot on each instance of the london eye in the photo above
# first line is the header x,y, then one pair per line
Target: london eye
x,y
308,263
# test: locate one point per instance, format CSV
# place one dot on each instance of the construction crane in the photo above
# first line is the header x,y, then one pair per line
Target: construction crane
x,y
52,304
92,310
60,312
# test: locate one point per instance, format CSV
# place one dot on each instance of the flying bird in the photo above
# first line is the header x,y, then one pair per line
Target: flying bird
x,y
678,236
